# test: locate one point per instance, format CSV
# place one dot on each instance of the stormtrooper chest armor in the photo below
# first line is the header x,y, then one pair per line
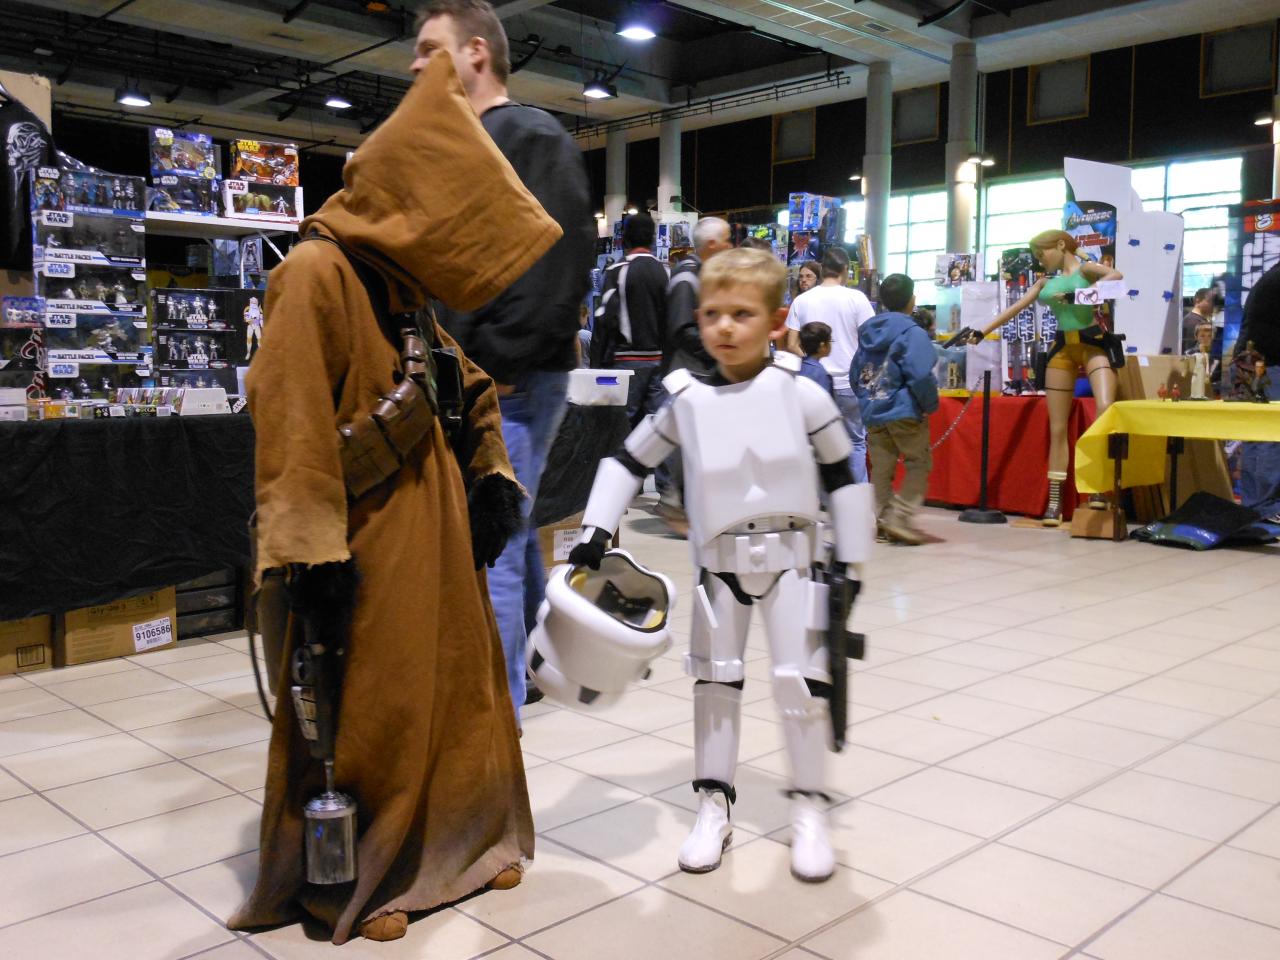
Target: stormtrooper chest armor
x,y
749,468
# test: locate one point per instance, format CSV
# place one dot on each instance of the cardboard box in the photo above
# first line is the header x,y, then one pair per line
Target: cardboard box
x,y
120,629
557,539
25,645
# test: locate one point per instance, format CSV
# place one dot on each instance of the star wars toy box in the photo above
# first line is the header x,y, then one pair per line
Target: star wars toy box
x,y
73,188
72,288
205,329
87,240
76,338
258,161
261,201
119,629
26,645
184,173
810,211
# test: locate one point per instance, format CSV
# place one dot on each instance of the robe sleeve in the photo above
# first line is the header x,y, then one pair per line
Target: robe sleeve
x,y
482,450
292,384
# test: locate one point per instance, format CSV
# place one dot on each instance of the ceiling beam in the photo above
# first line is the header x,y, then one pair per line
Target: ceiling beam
x,y
513,8
734,15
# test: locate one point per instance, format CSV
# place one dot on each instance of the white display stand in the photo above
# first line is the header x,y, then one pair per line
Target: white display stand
x,y
1148,253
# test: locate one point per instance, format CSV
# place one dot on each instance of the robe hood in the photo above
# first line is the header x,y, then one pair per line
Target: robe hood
x,y
433,206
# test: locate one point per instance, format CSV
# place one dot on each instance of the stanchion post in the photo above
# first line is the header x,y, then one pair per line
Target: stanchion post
x,y
981,514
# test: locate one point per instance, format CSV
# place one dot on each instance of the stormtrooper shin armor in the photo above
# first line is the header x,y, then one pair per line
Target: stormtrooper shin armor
x,y
754,454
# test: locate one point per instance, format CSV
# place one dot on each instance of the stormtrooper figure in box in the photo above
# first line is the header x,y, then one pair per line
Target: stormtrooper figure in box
x,y
757,439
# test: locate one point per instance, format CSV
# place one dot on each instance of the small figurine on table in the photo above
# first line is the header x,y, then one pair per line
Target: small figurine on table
x,y
1261,385
1176,393
1162,392
1244,371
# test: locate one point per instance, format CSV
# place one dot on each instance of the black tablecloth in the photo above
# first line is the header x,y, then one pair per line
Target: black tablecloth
x,y
95,510
587,434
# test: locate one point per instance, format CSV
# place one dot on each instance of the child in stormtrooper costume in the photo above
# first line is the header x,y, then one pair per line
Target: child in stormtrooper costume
x,y
756,440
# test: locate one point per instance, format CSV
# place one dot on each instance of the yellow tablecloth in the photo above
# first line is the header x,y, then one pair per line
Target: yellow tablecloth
x,y
1149,422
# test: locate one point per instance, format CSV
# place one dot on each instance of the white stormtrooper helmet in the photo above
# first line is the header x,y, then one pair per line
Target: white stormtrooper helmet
x,y
598,630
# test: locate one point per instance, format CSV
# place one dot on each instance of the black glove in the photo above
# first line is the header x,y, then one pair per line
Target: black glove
x,y
494,503
590,552
324,592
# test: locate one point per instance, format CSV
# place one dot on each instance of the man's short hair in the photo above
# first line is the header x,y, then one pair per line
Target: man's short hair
x,y
835,263
1204,293
708,229
747,268
896,291
637,231
473,18
813,335
756,243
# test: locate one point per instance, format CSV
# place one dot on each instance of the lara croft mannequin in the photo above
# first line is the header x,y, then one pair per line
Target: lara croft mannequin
x,y
1080,343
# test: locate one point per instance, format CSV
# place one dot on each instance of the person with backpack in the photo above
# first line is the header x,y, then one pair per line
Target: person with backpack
x,y
631,321
892,376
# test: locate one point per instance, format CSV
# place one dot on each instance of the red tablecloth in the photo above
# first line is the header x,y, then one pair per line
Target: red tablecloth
x,y
1019,457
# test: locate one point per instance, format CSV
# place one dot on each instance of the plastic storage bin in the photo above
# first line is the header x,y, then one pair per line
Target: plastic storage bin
x,y
599,388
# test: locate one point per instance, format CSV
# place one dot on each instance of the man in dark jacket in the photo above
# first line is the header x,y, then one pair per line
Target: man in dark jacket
x,y
631,321
892,377
525,339
1260,462
684,350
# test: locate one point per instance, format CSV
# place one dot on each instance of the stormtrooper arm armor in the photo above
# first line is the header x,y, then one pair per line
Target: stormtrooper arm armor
x,y
852,504
620,477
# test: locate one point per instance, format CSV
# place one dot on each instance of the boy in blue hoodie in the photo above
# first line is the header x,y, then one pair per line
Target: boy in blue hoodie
x,y
815,341
892,377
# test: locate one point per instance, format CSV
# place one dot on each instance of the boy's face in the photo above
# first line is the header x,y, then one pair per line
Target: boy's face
x,y
736,326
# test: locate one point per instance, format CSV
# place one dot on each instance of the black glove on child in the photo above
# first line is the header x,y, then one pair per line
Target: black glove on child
x,y
590,552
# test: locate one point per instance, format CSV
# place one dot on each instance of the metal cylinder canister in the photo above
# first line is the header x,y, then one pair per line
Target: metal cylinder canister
x,y
331,838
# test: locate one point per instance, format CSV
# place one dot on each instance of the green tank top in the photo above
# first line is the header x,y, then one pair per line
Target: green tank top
x,y
1071,316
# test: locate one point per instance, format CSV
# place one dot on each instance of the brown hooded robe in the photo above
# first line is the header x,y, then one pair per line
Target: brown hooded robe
x,y
426,735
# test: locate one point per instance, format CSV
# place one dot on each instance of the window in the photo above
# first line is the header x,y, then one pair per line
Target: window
x,y
915,115
1058,91
793,136
917,234
1234,61
1200,190
1016,212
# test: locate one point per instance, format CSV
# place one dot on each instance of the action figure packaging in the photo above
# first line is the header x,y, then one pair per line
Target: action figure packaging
x,y
258,161
71,288
93,338
183,154
75,188
182,309
222,377
185,195
809,211
21,349
21,312
89,240
191,350
266,201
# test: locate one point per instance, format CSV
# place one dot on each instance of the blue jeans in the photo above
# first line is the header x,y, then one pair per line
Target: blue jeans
x,y
1260,465
517,583
852,413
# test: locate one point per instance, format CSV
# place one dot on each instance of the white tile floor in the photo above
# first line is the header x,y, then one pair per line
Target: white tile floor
x,y
1059,749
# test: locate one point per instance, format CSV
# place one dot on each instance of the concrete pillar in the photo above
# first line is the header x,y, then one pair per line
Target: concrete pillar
x,y
668,164
962,143
1275,146
877,162
615,177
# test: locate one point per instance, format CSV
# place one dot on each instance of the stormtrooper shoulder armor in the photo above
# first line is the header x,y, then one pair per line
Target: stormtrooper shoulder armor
x,y
823,423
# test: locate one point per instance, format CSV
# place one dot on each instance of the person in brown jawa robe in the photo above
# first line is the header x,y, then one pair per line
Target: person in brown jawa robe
x,y
426,740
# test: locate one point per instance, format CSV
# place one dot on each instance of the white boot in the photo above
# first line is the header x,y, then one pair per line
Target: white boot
x,y
711,834
812,858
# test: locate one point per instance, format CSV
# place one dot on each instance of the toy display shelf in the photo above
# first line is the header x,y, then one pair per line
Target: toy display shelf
x,y
212,228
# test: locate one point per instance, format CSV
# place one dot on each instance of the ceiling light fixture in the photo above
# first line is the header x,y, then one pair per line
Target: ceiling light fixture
x,y
130,96
981,160
599,214
636,24
597,89
42,52
1262,119
632,211
855,177
336,102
